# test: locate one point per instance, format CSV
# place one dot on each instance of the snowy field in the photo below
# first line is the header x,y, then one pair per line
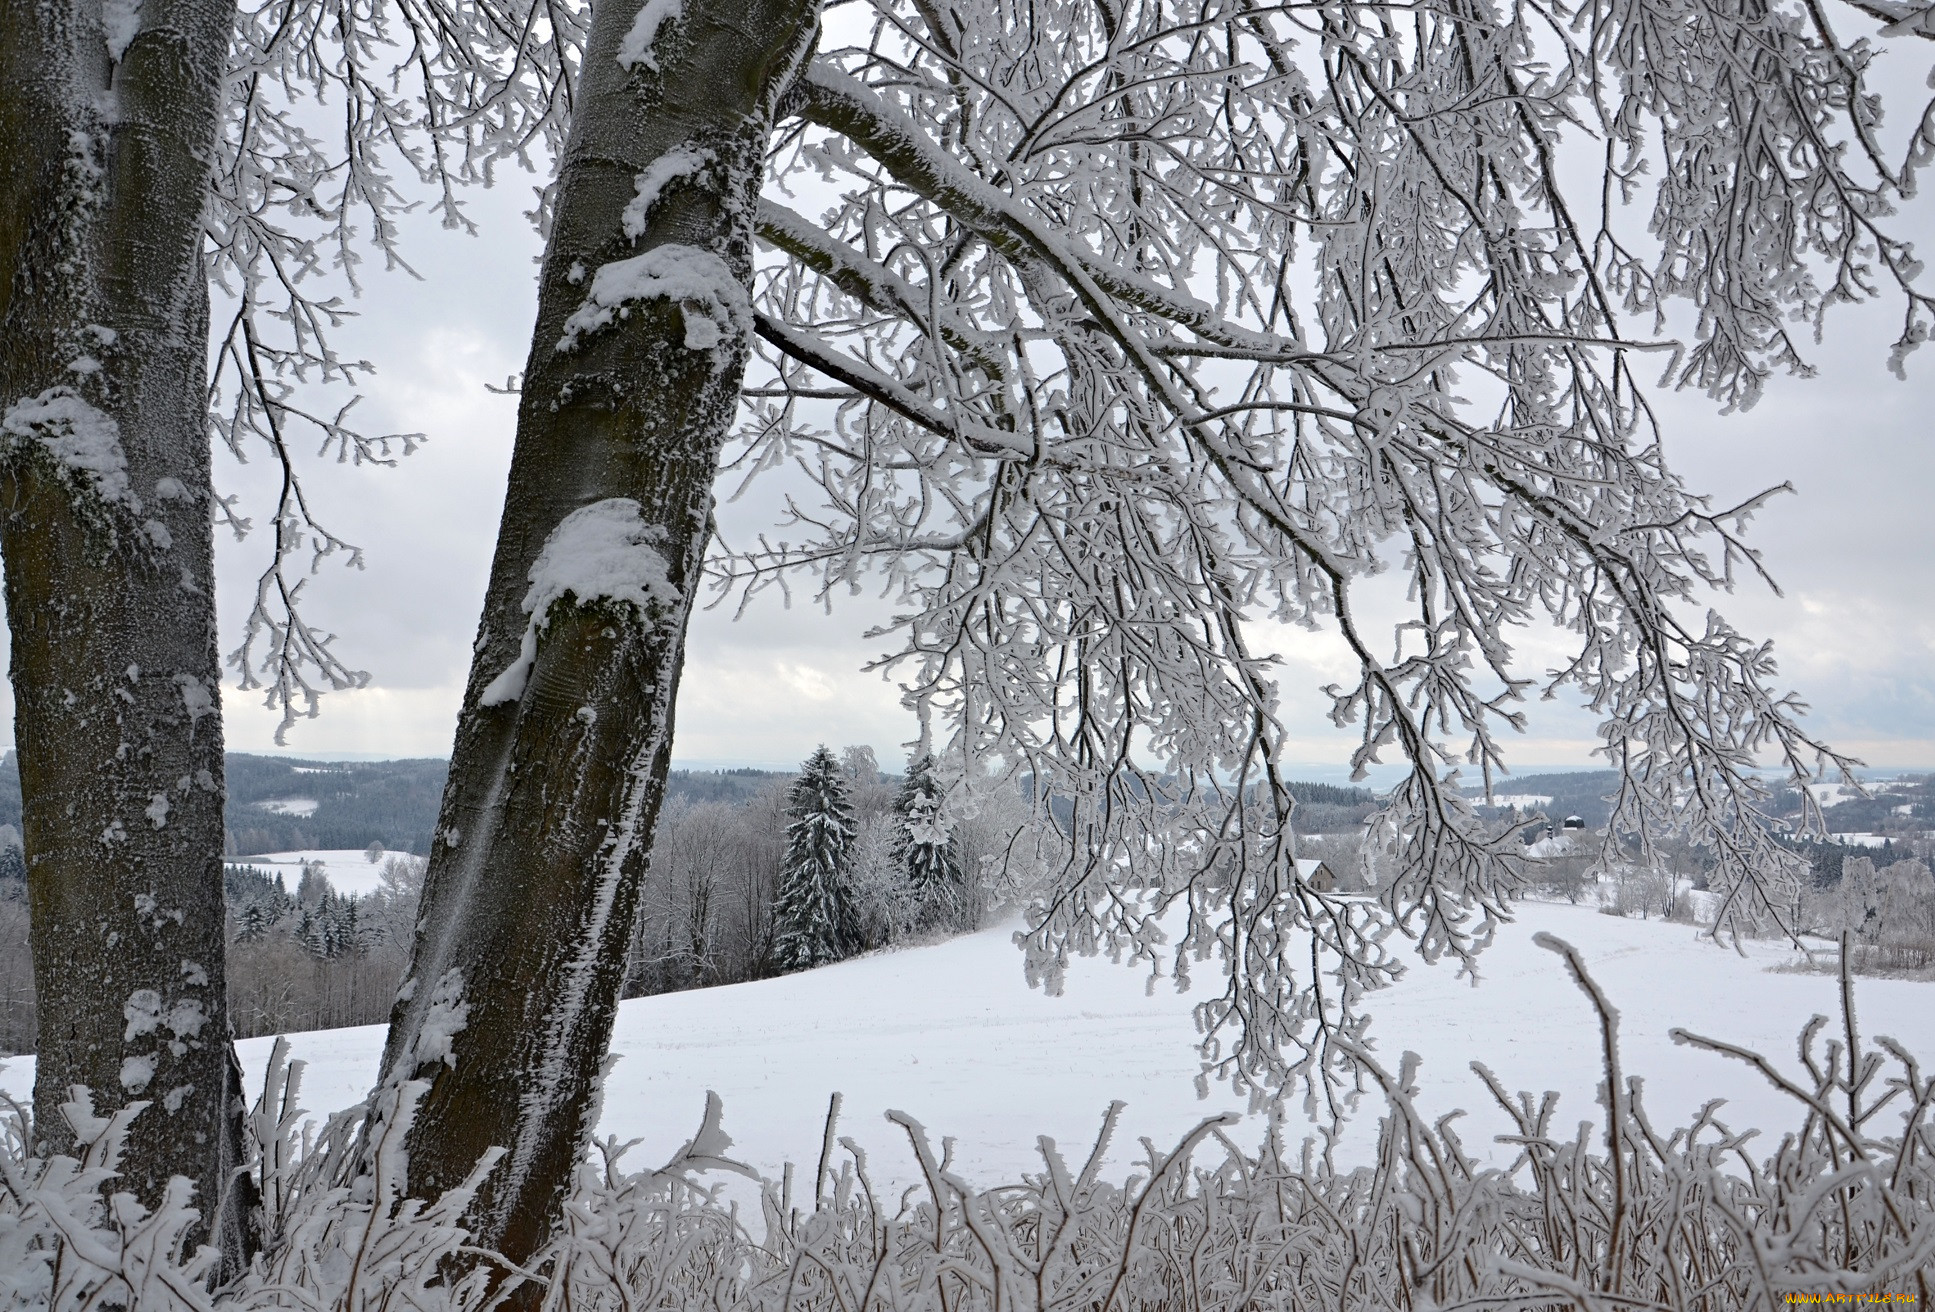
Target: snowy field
x,y
347,871
303,806
952,1035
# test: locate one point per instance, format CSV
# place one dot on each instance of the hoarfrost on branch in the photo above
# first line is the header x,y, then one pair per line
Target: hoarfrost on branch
x,y
432,96
1134,325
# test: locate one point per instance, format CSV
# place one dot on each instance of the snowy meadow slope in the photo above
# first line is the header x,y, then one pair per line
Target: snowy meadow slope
x,y
952,1035
349,872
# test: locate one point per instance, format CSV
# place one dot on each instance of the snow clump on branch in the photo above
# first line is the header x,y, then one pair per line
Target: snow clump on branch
x,y
599,552
78,436
684,162
715,306
449,1014
636,48
120,23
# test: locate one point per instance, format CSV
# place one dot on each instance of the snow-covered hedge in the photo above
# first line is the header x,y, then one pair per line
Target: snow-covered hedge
x,y
1635,1217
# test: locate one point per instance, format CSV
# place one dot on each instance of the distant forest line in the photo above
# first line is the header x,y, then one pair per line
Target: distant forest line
x,y
395,802
361,802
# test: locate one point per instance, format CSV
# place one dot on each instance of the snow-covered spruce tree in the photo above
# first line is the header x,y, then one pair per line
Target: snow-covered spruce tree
x,y
813,914
925,851
563,742
145,150
1120,327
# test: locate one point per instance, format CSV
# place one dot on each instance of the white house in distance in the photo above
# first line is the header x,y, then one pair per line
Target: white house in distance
x,y
1561,841
1318,875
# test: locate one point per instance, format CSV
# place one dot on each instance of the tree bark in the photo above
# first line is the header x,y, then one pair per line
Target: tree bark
x,y
544,833
106,142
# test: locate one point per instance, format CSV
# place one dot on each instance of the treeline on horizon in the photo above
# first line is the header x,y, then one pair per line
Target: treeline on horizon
x,y
395,803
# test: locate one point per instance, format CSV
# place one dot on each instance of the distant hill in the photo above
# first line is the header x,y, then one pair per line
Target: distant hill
x,y
1905,805
1331,809
278,804
1320,808
355,803
720,785
1577,792
1900,807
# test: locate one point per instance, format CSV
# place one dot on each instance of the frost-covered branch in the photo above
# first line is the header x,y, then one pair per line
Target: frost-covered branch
x,y
340,115
1146,323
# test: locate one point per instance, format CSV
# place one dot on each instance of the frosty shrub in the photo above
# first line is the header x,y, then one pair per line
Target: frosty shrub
x,y
330,1238
1887,913
1618,1215
886,906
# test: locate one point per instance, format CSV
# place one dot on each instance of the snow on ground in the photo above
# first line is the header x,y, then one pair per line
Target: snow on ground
x,y
347,871
952,1035
1833,794
302,806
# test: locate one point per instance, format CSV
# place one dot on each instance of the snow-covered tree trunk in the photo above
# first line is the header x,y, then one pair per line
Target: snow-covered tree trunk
x,y
564,738
107,130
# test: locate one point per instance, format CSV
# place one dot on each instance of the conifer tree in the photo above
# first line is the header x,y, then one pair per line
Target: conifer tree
x,y
925,850
333,927
813,920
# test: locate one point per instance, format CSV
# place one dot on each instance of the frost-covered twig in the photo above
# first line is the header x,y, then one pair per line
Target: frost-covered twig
x,y
442,92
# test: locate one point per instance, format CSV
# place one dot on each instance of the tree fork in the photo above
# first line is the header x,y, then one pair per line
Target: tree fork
x,y
554,788
106,141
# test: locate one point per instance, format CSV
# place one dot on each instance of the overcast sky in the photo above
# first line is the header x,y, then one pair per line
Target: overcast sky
x,y
1853,549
